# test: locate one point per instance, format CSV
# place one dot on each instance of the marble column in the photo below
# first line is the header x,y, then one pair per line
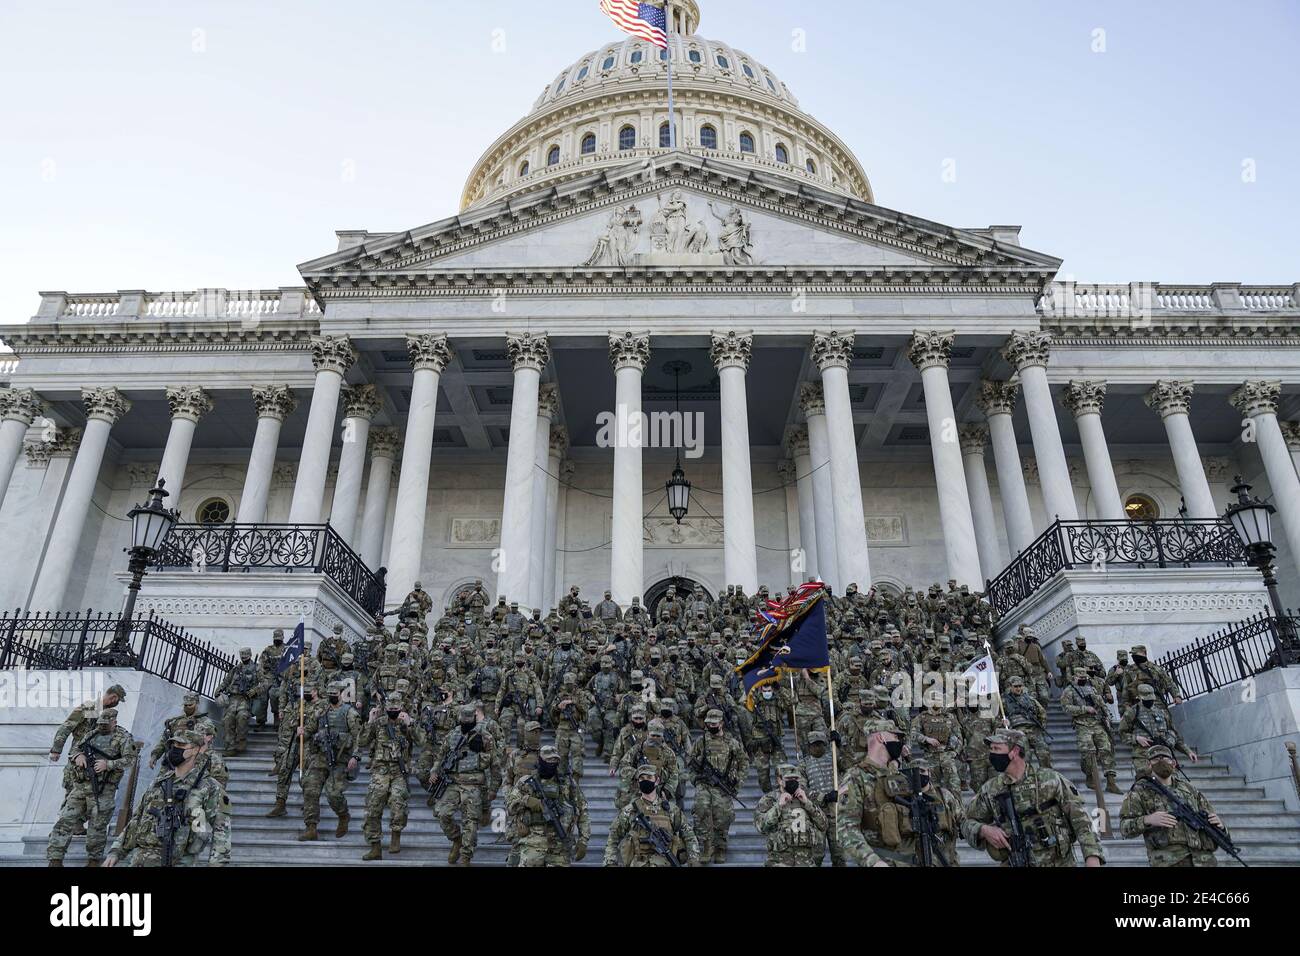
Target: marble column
x,y
429,354
819,451
796,571
1291,432
730,353
801,454
930,352
104,406
1085,399
1257,401
557,444
629,354
529,354
384,443
361,403
187,405
1028,354
54,456
332,356
548,403
274,403
19,407
973,438
998,401
1173,400
833,352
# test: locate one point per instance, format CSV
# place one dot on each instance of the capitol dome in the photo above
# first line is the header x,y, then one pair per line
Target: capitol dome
x,y
610,106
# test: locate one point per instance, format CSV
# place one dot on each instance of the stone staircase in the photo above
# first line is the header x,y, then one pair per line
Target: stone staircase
x,y
1267,834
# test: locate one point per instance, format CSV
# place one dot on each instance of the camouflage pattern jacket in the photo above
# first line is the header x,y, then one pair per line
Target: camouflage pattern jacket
x,y
1050,811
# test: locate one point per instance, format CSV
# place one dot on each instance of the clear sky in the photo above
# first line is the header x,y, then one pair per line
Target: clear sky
x,y
173,144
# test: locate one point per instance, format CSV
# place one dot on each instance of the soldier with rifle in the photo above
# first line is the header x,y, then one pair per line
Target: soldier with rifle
x,y
183,816
1176,821
569,716
97,763
930,816
243,685
794,822
391,736
767,746
1027,715
465,762
330,730
718,766
549,813
650,830
1091,718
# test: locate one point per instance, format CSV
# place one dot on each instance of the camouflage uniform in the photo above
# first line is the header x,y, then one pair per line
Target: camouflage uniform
x,y
191,719
536,838
519,698
266,663
605,688
1028,716
768,744
336,724
630,835
1085,708
795,828
1144,671
653,750
469,755
809,705
713,811
242,686
818,772
1149,720
80,724
1178,845
568,716
81,805
944,727
390,742
202,816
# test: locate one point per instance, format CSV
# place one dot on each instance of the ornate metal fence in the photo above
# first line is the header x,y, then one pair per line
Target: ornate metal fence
x,y
1066,545
73,641
283,547
1243,650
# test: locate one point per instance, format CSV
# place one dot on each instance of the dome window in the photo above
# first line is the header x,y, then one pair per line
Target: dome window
x,y
559,87
724,62
695,56
553,156
637,56
665,136
582,74
608,64
782,154
588,144
627,138
770,85
523,170
749,72
663,54
746,142
811,166
708,137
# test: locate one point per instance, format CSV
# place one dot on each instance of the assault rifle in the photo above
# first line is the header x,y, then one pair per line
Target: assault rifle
x,y
552,814
327,741
769,730
660,840
445,769
570,714
92,753
1009,821
925,820
392,736
714,778
170,816
1193,819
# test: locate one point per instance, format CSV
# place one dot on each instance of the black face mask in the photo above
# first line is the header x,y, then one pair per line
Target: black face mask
x,y
175,756
547,770
818,750
392,714
638,724
1148,704
791,786
334,698
1000,762
1139,660
715,729
278,642
895,748
922,781
467,725
646,786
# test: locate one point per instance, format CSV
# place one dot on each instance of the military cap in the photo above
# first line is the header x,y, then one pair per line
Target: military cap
x,y
569,678
347,658
1121,654
245,652
637,710
647,770
466,712
107,714
1140,649
656,726
715,680
278,632
669,704
550,753
117,689
787,770
393,700
880,727
187,738
1159,750
816,737
337,685
606,661
190,698
1081,672
866,693
1146,692
520,657
532,726
637,675
1012,738
714,716
1017,680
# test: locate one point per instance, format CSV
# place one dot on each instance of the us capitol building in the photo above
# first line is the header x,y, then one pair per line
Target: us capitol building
x,y
882,399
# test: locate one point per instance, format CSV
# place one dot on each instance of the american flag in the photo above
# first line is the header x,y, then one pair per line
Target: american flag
x,y
643,20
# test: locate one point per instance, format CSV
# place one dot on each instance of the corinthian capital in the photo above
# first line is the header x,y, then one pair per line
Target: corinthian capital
x,y
106,404
361,401
384,443
973,437
1084,397
996,398
62,442
1257,398
832,349
559,440
548,400
274,401
1291,432
731,348
796,440
429,350
629,350
812,399
528,350
333,353
20,405
1027,349
188,403
929,348
1170,398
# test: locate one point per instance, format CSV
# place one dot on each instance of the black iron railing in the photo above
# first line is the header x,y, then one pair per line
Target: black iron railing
x,y
284,547
73,641
1066,545
1235,653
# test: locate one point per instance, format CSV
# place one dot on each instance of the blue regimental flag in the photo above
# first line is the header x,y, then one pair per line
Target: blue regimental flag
x,y
293,649
797,642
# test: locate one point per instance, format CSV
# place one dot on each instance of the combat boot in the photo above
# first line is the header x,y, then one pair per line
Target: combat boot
x,y
56,864
706,853
308,834
374,853
91,864
454,853
719,854
279,809
1111,785
342,829
395,842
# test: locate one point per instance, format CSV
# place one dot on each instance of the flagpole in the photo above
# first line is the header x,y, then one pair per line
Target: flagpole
x,y
302,676
672,116
830,694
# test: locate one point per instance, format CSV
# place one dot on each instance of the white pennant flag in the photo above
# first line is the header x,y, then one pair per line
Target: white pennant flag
x,y
983,677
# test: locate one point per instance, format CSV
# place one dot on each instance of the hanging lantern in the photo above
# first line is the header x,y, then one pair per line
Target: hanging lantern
x,y
679,493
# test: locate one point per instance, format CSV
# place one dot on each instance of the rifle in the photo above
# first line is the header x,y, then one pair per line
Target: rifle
x,y
392,736
714,778
768,728
925,820
93,753
325,738
552,815
171,815
1194,819
660,841
571,715
1009,821
449,765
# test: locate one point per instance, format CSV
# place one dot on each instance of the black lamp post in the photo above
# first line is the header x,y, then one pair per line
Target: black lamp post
x,y
150,525
1252,520
678,488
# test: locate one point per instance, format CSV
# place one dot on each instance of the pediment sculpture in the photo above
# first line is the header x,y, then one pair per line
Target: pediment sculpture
x,y
676,237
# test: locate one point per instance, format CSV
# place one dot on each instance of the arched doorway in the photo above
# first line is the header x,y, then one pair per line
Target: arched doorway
x,y
655,593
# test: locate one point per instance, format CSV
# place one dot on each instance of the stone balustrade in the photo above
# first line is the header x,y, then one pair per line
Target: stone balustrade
x,y
230,304
1063,301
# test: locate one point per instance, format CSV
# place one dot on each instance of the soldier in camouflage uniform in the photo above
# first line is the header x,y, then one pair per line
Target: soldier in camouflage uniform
x,y
102,769
767,745
1145,671
1147,813
858,814
537,841
242,686
654,750
937,734
330,731
290,758
199,805
716,786
810,705
81,723
1147,723
391,738
1048,806
630,737
1085,708
569,716
976,725
1028,716
189,719
793,821
650,817
520,696
266,663
467,756
816,767
605,688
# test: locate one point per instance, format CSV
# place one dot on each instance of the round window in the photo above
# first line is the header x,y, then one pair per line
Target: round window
x,y
1141,508
213,511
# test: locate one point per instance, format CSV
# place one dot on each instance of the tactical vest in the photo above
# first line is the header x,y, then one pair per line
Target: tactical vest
x,y
1045,821
636,847
939,726
111,744
337,720
1021,710
559,794
467,761
386,751
1152,722
717,752
244,679
795,830
193,828
820,773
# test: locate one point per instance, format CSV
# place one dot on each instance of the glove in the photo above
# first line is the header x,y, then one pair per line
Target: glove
x,y
832,797
476,743
533,803
579,852
835,737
